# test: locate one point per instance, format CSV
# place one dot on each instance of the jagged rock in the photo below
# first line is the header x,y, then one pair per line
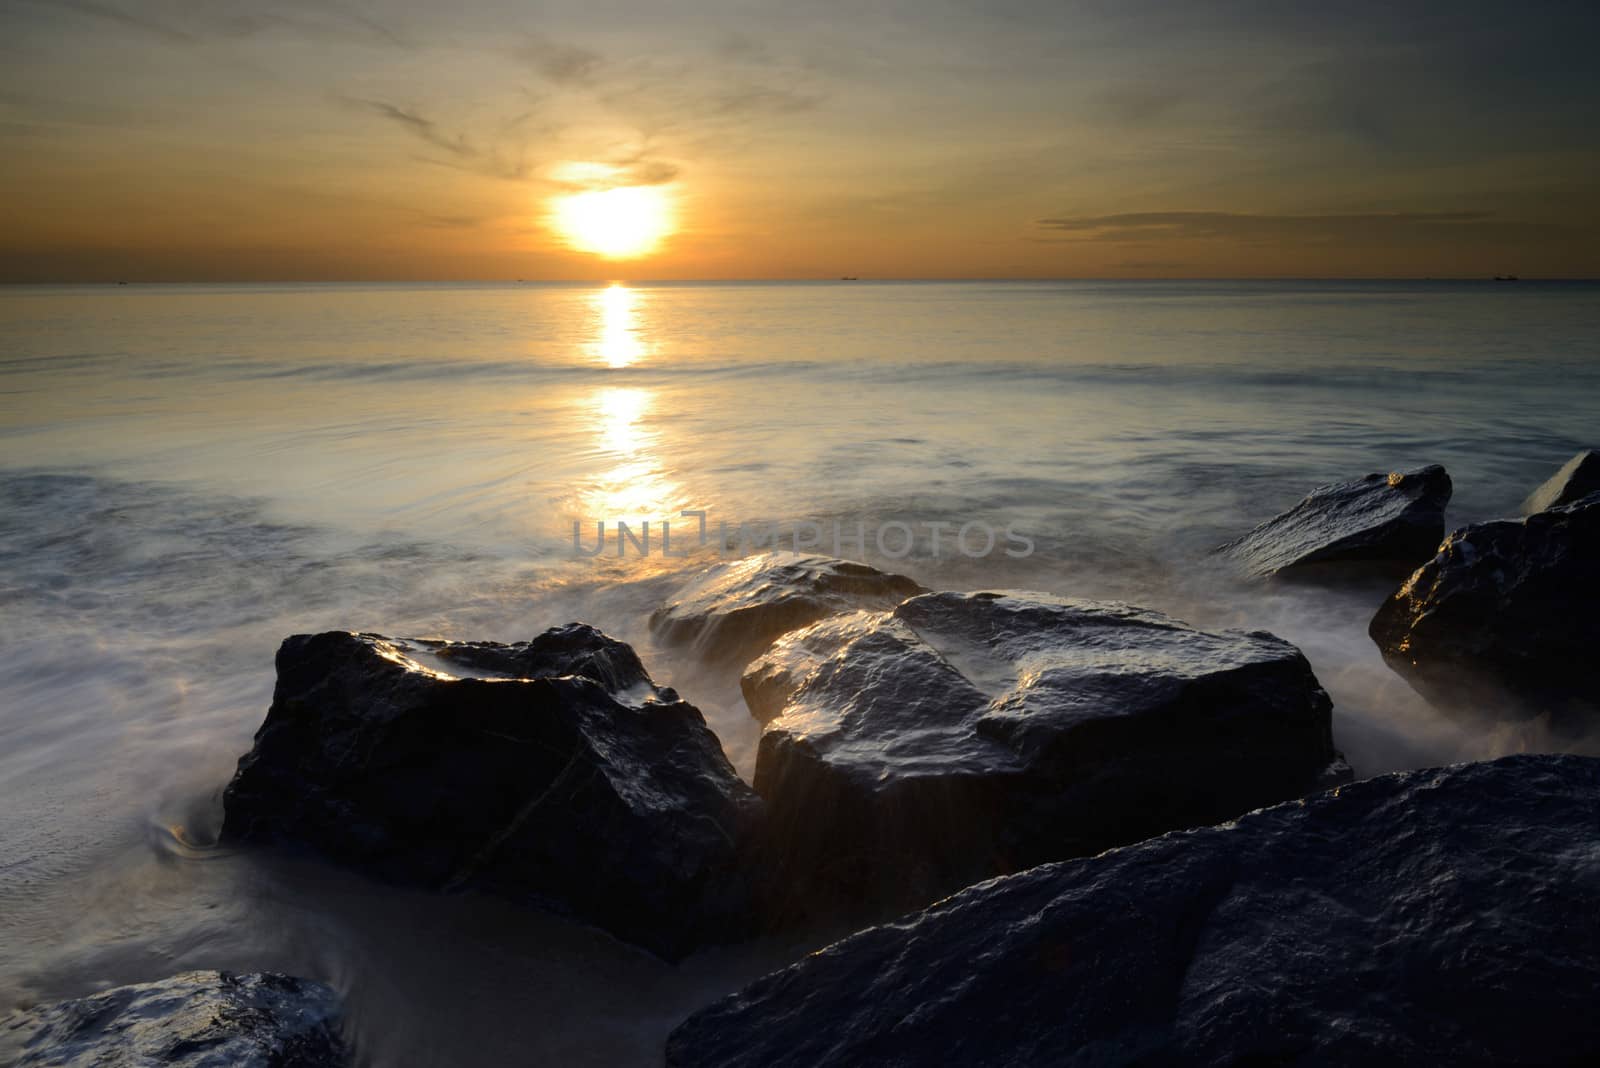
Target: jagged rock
x,y
1578,477
1393,521
1504,615
736,609
192,1020
1431,917
569,780
962,736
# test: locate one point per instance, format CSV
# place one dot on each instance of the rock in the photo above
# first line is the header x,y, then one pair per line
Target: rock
x,y
1505,612
770,681
574,649
1430,917
1389,521
1578,478
570,781
738,608
962,736
193,1020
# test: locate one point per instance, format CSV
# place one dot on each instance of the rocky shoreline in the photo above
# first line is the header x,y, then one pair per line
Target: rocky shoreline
x,y
1156,851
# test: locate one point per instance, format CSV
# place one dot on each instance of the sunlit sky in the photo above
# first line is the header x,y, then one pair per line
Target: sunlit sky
x,y
293,139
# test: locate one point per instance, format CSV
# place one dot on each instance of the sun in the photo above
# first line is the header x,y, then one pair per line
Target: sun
x,y
619,224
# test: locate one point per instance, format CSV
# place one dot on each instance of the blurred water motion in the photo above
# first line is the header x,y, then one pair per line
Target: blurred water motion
x,y
189,474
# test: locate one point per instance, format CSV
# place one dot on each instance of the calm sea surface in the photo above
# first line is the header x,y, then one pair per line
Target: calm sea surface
x,y
188,474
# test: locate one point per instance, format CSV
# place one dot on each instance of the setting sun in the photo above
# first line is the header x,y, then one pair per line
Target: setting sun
x,y
617,223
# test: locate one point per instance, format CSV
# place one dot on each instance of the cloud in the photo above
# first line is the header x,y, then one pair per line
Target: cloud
x,y
760,100
742,47
224,19
382,32
561,64
508,161
647,172
635,169
423,128
1241,228
1140,103
122,17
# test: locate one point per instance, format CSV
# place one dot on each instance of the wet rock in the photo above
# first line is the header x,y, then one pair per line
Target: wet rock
x,y
737,609
193,1020
769,682
1578,477
568,779
1504,616
1431,917
962,736
573,649
1390,521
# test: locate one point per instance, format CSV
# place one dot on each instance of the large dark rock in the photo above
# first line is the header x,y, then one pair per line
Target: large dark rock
x,y
1392,522
1504,616
568,779
193,1020
1578,477
736,609
1432,917
962,736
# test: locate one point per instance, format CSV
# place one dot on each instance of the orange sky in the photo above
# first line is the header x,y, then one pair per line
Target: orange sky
x,y
172,140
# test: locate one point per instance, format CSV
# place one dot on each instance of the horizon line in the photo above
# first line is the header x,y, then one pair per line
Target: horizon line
x,y
620,280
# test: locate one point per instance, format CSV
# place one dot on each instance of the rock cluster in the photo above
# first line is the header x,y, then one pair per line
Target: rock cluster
x,y
918,743
1433,917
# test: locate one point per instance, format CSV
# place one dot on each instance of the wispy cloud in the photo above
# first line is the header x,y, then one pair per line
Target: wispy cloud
x,y
559,63
375,29
421,127
193,23
642,169
635,168
1313,228
140,22
507,160
760,100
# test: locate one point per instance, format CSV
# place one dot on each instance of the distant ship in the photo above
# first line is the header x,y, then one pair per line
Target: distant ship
x,y
1505,278
848,278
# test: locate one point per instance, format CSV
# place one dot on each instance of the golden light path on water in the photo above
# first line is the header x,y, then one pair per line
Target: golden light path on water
x,y
636,487
618,342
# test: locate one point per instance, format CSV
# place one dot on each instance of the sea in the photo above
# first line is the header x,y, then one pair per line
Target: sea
x,y
190,473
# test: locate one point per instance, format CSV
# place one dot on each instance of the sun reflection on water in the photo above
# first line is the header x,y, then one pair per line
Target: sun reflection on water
x,y
618,342
632,483
636,485
619,411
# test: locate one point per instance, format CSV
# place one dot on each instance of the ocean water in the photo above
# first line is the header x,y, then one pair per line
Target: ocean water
x,y
188,474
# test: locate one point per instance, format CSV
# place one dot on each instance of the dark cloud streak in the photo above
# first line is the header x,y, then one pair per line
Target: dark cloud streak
x,y
1309,229
193,24
122,17
463,153
420,127
558,63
